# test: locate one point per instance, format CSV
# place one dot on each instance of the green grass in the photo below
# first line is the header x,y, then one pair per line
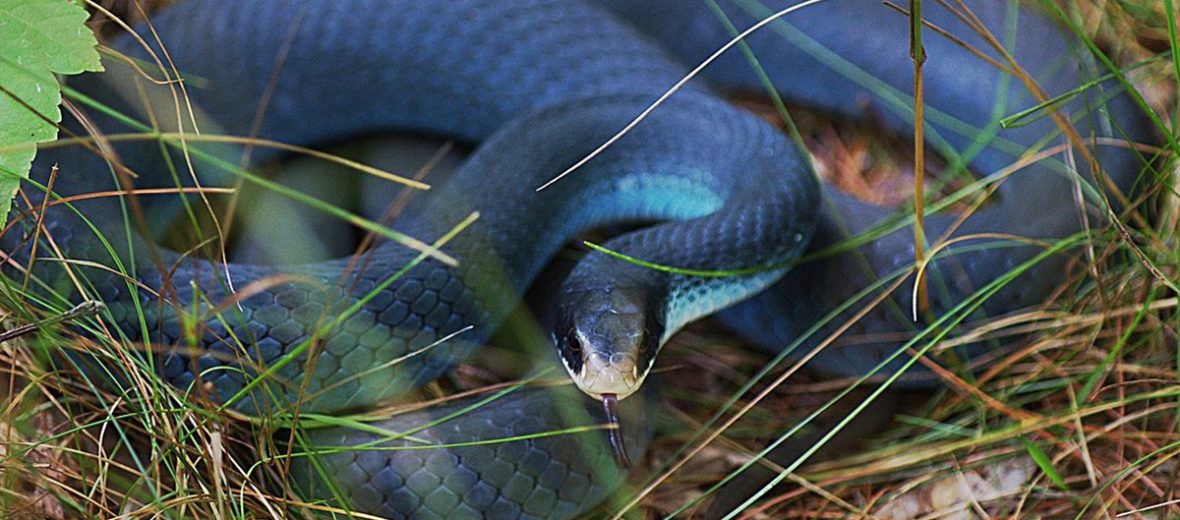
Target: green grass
x,y
1084,406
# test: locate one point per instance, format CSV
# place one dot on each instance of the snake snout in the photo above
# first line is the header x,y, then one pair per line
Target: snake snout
x,y
610,373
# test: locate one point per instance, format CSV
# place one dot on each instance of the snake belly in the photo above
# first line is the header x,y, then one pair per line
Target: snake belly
x,y
539,84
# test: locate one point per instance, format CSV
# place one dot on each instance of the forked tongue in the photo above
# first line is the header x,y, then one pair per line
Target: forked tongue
x,y
614,432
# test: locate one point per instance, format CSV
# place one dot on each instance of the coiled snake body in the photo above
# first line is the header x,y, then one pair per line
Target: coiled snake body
x,y
540,84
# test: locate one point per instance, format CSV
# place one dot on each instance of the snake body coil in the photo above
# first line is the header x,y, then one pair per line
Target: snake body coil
x,y
540,84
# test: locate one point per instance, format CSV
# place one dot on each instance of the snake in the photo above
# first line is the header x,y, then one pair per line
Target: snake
x,y
722,210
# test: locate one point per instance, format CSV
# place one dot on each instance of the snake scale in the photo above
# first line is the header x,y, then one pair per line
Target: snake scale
x,y
539,84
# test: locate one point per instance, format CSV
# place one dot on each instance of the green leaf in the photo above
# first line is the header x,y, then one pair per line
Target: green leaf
x,y
38,38
1045,463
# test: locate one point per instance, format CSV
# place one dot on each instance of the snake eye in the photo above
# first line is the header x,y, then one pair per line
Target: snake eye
x,y
573,344
570,352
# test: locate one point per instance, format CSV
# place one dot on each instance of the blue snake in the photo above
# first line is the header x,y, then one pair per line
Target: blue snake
x,y
540,85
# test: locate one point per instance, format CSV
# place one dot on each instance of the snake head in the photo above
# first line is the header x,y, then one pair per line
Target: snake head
x,y
607,338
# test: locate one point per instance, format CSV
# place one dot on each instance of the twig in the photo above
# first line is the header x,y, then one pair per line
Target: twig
x,y
86,308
